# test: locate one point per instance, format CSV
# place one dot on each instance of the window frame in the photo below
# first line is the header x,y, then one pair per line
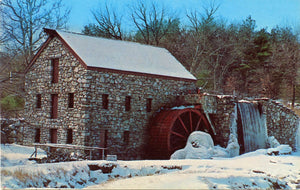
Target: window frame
x,y
149,104
39,101
126,137
53,135
54,106
37,137
71,100
105,101
128,103
55,70
69,136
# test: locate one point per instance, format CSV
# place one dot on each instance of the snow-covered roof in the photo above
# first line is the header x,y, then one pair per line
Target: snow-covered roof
x,y
125,56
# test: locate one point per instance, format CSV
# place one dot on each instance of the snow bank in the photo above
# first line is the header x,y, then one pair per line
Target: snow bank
x,y
181,107
280,150
254,170
199,146
78,174
258,171
13,154
272,142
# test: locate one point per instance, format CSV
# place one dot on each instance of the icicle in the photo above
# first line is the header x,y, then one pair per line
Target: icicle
x,y
298,137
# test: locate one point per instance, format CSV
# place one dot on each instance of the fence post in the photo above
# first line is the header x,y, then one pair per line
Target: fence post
x,y
35,149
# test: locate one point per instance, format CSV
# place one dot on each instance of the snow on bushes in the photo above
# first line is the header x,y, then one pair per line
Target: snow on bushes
x,y
77,174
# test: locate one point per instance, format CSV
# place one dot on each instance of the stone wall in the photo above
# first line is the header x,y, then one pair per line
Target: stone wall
x,y
116,121
90,122
219,109
282,122
72,79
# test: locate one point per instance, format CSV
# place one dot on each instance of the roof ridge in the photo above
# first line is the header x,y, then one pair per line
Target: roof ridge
x,y
111,54
100,37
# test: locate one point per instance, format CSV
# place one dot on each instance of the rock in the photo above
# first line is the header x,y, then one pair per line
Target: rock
x,y
280,150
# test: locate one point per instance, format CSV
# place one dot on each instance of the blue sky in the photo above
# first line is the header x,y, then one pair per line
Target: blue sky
x,y
267,13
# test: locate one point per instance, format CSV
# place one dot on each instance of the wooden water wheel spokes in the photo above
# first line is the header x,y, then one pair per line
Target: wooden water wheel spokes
x,y
184,124
171,128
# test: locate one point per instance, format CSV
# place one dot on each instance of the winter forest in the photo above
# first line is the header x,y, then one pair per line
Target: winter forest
x,y
227,58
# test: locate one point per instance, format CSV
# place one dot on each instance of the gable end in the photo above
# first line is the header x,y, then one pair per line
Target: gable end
x,y
52,34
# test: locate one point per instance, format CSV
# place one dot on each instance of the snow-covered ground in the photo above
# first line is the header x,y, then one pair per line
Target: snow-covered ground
x,y
13,154
252,170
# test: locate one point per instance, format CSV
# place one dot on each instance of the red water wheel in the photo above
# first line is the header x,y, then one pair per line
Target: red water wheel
x,y
170,130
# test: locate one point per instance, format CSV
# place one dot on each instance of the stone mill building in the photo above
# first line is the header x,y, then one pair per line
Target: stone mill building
x,y
137,101
99,92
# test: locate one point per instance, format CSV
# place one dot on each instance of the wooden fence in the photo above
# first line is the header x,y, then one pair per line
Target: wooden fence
x,y
68,146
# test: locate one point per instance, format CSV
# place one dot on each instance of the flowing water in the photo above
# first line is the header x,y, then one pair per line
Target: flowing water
x,y
252,128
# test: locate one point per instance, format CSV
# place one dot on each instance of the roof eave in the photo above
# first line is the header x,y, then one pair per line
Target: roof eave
x,y
101,69
44,45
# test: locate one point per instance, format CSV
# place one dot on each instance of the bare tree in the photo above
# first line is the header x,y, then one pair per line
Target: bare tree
x,y
23,21
108,23
152,21
202,20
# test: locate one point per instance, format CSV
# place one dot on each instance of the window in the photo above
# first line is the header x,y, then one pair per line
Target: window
x,y
103,138
37,138
53,135
105,101
38,101
55,63
127,103
69,136
71,100
149,105
54,106
126,137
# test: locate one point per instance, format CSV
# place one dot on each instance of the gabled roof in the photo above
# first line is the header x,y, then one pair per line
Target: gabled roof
x,y
123,56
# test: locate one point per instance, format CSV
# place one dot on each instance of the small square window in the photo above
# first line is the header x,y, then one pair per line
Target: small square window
x,y
105,101
54,106
149,105
55,69
69,136
71,100
37,138
127,103
38,101
126,137
53,135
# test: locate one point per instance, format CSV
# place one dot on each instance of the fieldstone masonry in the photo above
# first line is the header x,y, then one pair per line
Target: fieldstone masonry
x,y
281,122
219,109
124,132
88,119
72,79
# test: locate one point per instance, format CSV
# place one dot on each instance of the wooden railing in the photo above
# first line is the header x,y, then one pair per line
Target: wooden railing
x,y
68,146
